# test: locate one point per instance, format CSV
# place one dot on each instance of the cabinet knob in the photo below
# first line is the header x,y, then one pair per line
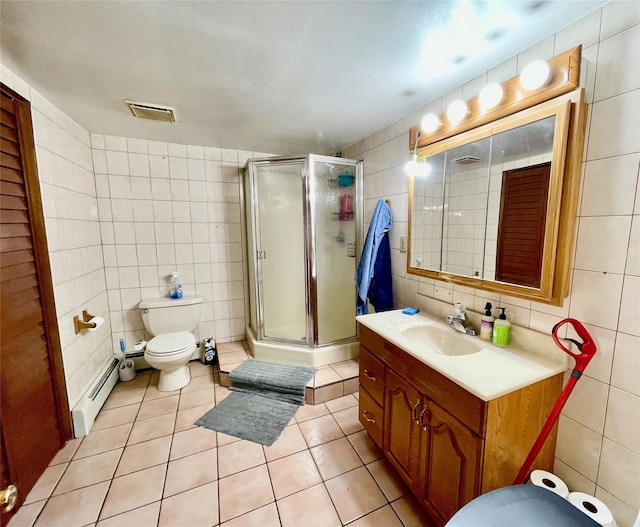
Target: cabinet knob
x,y
369,376
8,498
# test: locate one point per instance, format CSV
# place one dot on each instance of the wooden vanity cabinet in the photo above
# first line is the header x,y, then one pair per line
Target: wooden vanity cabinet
x,y
448,445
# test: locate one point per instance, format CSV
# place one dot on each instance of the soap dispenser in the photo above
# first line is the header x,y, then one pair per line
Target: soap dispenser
x,y
486,326
502,329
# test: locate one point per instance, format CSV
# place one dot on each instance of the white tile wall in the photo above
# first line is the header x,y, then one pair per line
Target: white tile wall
x,y
598,442
164,208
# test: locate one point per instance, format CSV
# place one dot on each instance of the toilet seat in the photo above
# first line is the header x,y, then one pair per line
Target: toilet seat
x,y
169,344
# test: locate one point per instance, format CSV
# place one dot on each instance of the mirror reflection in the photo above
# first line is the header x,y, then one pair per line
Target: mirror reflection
x,y
482,211
518,193
427,216
465,205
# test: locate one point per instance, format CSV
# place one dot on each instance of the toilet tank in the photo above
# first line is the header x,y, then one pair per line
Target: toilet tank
x,y
166,315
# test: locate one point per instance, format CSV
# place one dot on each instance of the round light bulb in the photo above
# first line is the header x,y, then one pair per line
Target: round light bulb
x,y
535,75
457,111
411,167
424,169
490,96
430,123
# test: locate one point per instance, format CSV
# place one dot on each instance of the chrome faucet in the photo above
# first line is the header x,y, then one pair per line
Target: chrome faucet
x,y
460,322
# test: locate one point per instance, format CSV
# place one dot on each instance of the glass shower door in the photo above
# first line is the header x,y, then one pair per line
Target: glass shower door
x,y
280,250
334,220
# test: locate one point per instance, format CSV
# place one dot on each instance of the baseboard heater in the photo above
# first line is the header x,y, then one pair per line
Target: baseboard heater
x,y
85,412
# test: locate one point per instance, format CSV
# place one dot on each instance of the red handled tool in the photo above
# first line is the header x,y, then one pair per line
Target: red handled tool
x,y
586,351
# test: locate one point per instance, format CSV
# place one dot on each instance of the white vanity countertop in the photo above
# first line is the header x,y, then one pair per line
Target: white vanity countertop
x,y
490,373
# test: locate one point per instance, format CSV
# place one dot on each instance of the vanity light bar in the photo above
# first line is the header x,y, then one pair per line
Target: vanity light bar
x,y
562,76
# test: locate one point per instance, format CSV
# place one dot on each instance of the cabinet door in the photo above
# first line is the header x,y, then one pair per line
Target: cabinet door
x,y
450,464
403,404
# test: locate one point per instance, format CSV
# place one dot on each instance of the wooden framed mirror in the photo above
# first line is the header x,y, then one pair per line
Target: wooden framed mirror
x,y
497,211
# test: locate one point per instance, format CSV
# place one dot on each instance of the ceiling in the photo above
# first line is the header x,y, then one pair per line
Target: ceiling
x,y
280,77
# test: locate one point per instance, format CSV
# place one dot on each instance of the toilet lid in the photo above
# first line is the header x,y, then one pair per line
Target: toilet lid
x,y
170,343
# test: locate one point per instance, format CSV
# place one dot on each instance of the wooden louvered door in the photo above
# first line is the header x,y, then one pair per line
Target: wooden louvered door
x,y
34,412
523,211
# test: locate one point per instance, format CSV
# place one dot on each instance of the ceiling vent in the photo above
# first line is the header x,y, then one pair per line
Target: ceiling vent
x,y
467,160
155,112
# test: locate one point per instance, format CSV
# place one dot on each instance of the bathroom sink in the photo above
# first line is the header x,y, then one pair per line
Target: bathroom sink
x,y
440,340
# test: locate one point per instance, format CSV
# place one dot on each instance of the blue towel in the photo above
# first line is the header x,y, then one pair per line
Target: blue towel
x,y
380,224
380,289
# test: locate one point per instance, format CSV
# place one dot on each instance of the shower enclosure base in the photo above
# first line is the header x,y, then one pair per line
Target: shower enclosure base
x,y
301,355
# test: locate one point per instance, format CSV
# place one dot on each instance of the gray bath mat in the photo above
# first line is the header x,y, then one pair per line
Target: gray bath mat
x,y
264,398
283,382
249,416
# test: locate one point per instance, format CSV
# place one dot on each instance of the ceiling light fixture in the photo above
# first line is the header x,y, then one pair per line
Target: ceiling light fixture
x,y
457,111
491,96
535,75
431,123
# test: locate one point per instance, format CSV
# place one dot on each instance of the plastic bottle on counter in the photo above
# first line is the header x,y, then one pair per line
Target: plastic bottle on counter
x,y
486,326
502,329
176,286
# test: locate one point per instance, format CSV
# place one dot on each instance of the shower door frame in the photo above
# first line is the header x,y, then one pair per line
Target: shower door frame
x,y
308,217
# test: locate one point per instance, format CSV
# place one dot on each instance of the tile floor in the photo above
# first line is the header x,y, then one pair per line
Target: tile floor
x,y
146,464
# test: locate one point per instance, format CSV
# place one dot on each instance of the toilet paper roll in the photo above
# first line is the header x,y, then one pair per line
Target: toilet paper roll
x,y
549,481
592,507
98,321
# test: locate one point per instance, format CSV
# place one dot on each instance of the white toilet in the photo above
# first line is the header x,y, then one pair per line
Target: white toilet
x,y
171,322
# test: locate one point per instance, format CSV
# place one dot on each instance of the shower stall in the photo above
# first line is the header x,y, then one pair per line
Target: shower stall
x,y
303,235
